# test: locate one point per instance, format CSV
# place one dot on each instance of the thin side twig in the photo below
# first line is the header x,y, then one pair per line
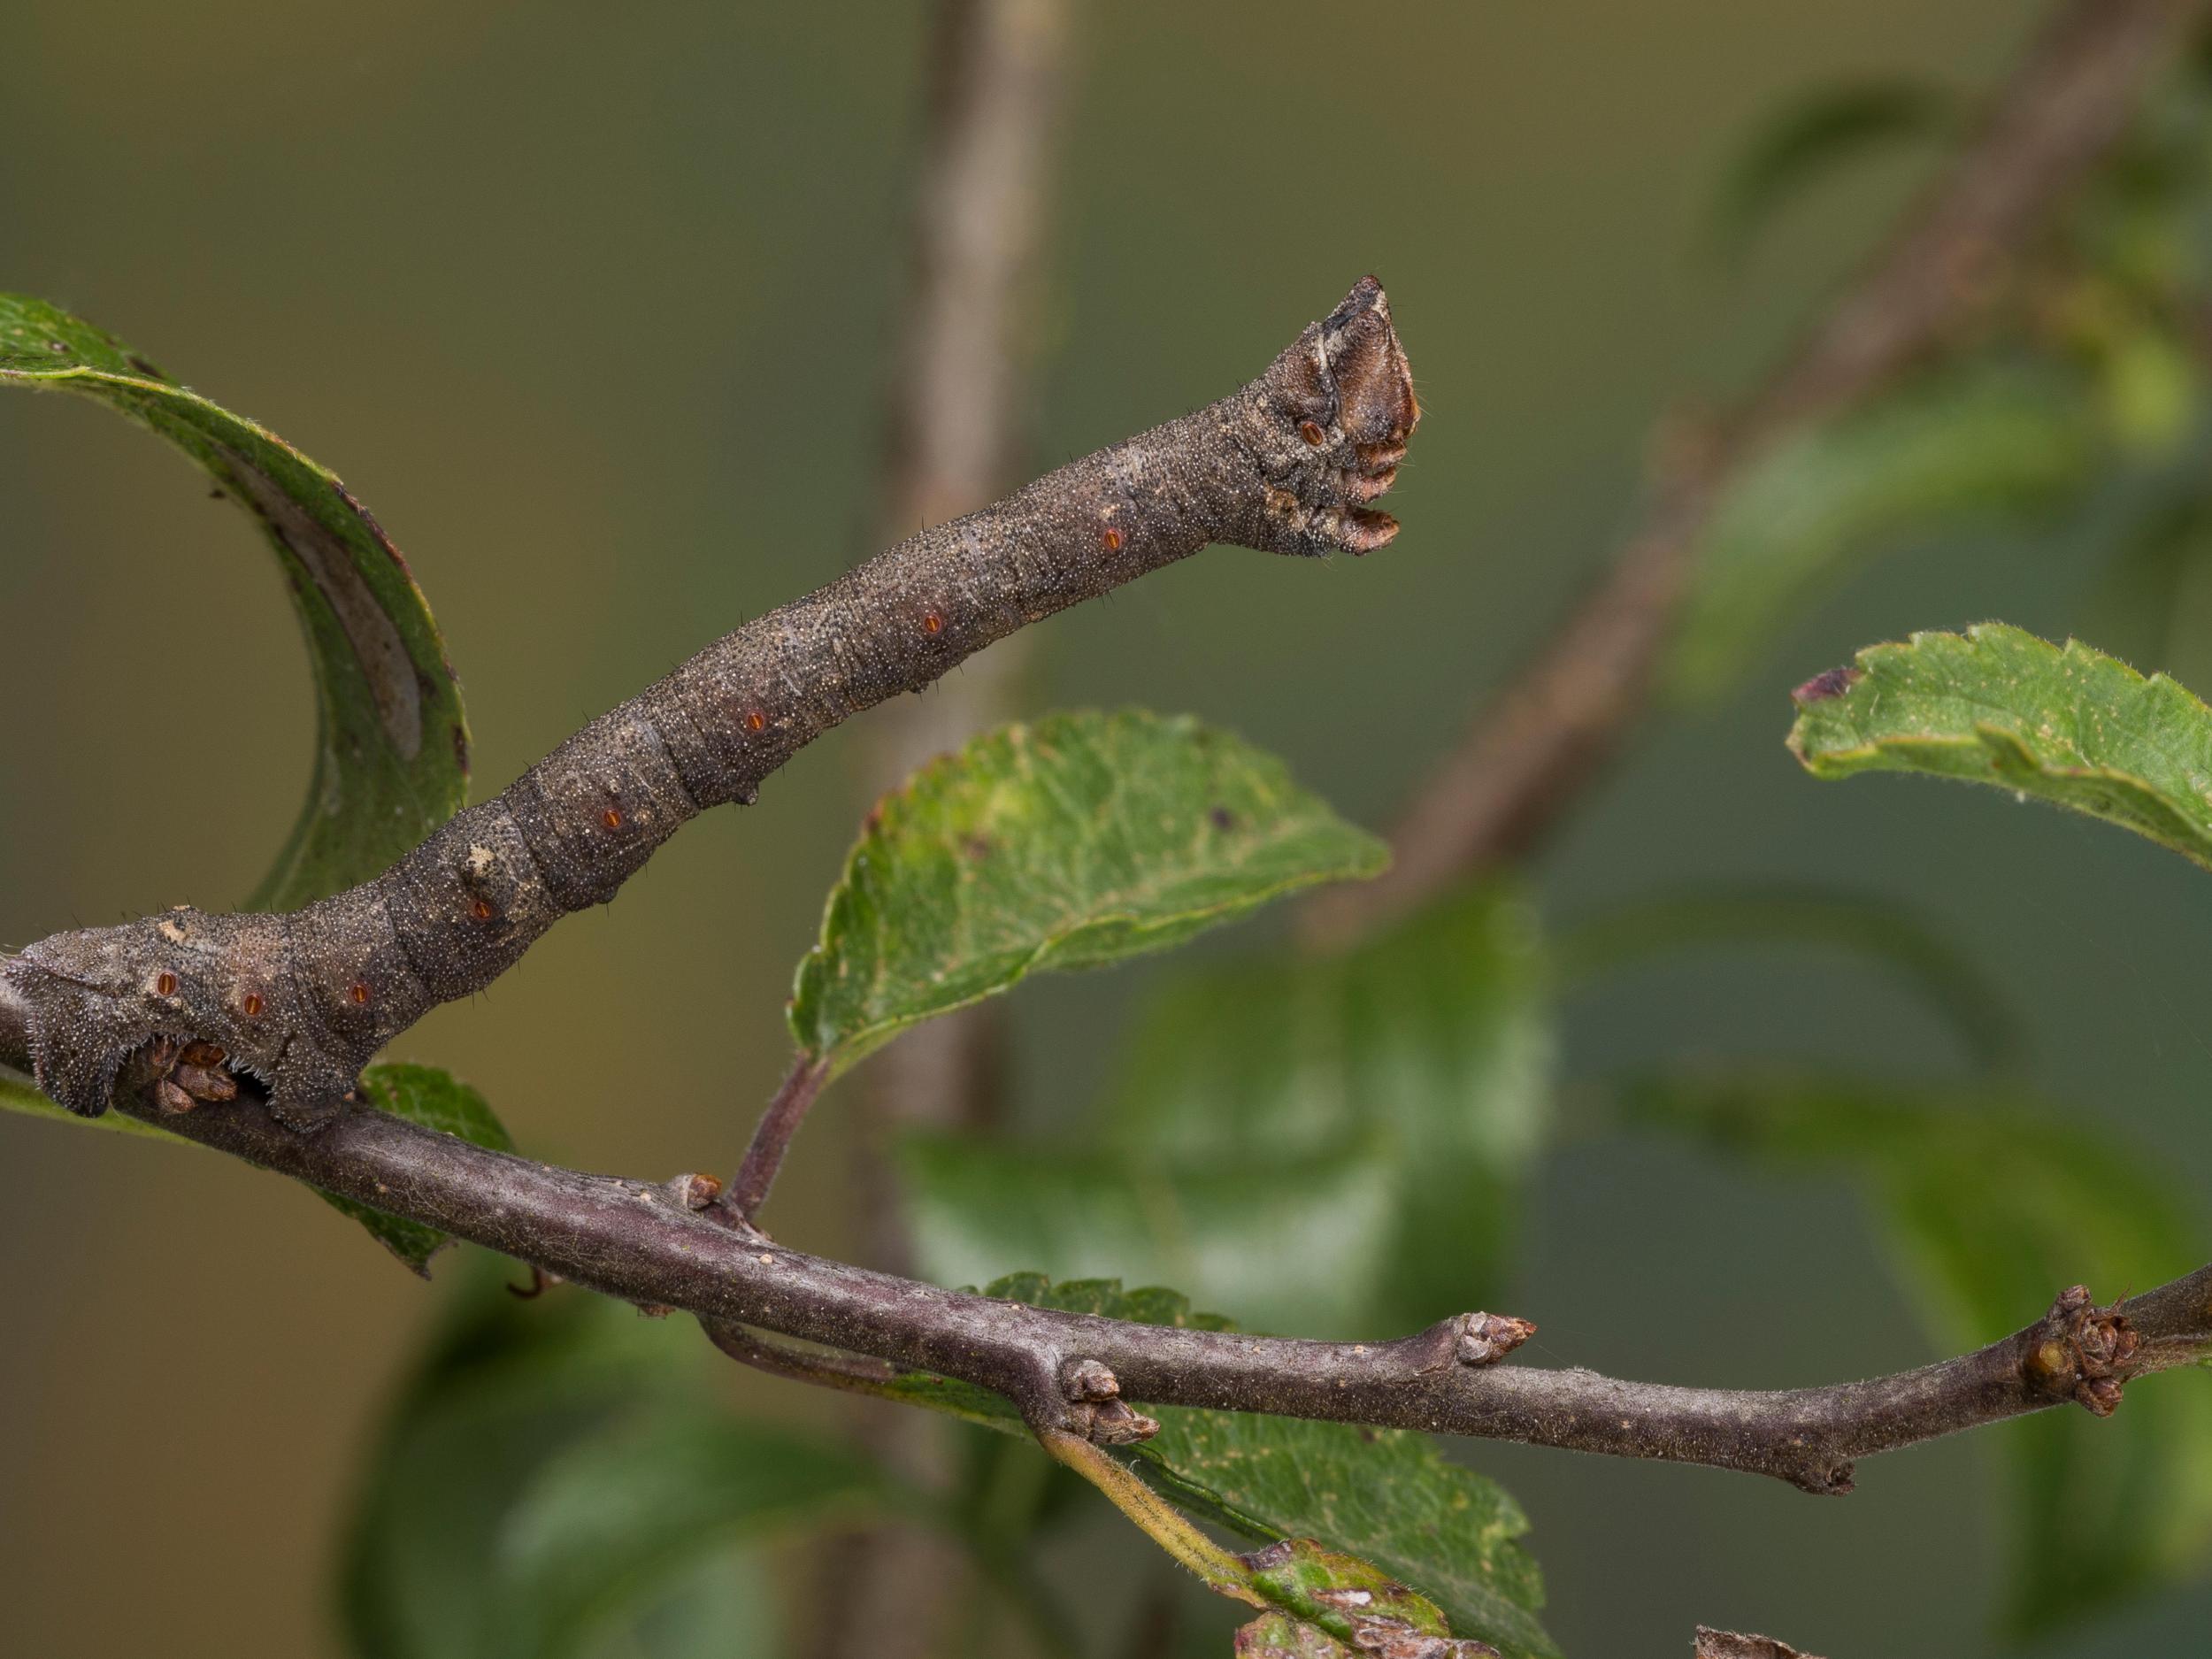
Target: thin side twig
x,y
1529,755
749,1188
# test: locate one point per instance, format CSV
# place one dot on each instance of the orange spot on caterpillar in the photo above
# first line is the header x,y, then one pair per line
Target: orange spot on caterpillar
x,y
931,623
251,1006
482,910
755,720
1310,431
359,992
165,983
1110,539
612,818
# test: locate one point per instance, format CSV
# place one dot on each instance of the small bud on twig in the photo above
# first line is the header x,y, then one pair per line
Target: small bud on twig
x,y
1097,1411
2085,1352
694,1192
1486,1338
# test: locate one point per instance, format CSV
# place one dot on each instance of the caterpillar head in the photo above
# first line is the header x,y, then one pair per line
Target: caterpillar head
x,y
97,994
1330,421
87,1012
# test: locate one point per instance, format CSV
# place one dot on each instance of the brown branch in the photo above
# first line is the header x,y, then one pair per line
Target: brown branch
x,y
1530,753
642,1241
851,1372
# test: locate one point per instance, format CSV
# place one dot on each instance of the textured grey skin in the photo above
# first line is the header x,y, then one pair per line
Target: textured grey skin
x,y
302,1000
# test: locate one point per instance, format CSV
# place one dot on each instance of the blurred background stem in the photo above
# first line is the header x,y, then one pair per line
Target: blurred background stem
x,y
956,428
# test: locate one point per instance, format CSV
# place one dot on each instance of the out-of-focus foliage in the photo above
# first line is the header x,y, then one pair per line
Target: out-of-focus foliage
x,y
555,1479
1886,934
1987,442
1993,1209
1820,134
1077,842
1433,1042
1241,1228
1382,1107
2082,379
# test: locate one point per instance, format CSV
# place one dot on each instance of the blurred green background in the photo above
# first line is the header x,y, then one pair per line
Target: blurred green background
x,y
594,308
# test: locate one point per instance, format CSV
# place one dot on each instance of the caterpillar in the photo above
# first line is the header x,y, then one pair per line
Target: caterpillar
x,y
302,1000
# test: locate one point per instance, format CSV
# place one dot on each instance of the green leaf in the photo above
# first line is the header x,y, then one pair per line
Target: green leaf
x,y
1994,705
693,1613
1381,1107
1387,1495
1816,137
1336,1603
1431,1045
391,762
1889,934
1958,447
975,1201
615,1517
554,1480
1993,1210
502,1388
436,1100
1072,843
1280,1636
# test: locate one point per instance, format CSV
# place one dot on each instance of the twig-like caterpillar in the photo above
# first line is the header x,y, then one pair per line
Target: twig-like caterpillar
x,y
302,1000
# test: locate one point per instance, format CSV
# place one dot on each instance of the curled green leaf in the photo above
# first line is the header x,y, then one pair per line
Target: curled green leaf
x,y
2066,725
391,759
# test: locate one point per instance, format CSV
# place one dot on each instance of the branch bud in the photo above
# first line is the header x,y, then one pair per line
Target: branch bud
x,y
1486,1338
1097,1411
